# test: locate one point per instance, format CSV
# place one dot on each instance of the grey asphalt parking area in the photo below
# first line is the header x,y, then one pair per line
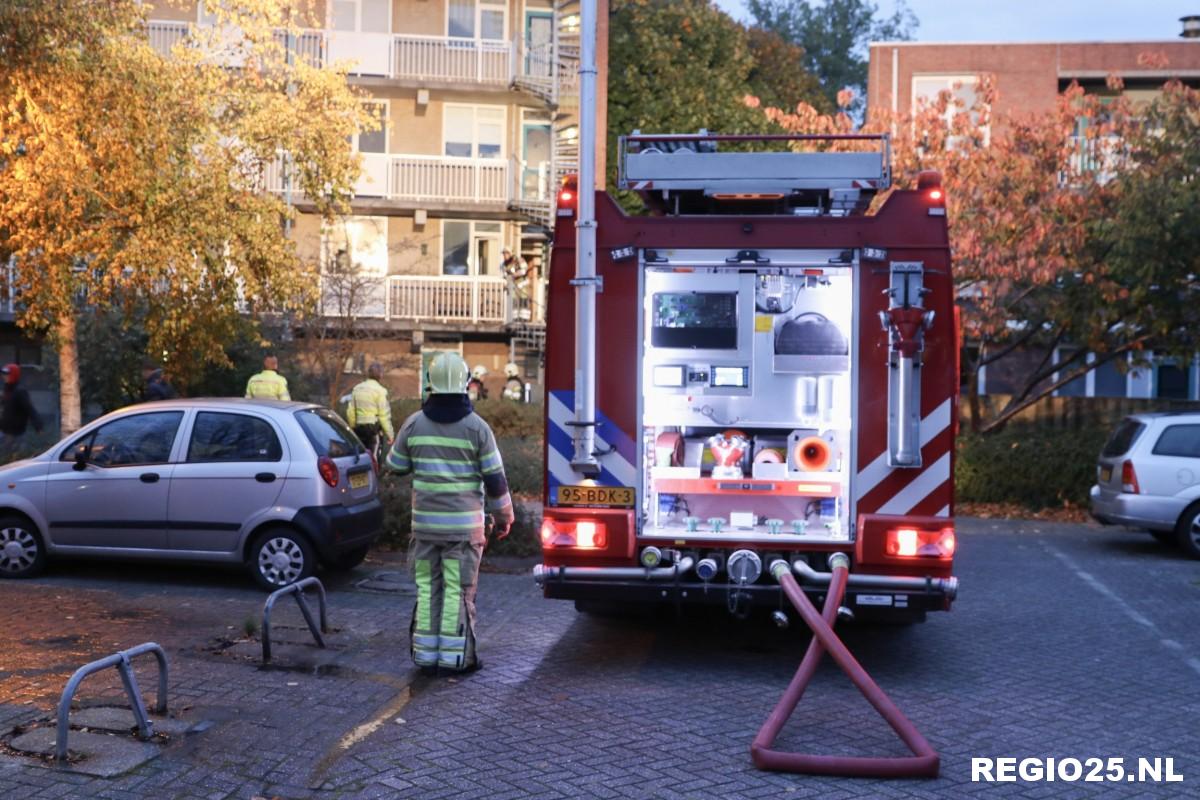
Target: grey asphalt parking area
x,y
1066,641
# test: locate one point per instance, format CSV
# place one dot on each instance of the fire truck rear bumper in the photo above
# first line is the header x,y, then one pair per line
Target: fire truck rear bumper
x,y
868,596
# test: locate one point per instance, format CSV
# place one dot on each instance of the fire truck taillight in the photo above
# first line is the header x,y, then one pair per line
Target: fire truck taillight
x,y
929,183
584,534
916,543
567,192
1129,481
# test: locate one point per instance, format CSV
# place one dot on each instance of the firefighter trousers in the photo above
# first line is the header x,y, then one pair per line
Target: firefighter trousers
x,y
443,625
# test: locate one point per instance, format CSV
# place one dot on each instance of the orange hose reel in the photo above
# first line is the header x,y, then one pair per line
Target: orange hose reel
x,y
813,454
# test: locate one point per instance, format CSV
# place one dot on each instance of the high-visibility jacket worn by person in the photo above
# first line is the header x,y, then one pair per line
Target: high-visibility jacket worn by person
x,y
267,385
369,406
457,477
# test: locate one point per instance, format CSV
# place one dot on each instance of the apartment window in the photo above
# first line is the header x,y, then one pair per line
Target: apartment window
x,y
477,19
471,248
1110,380
1076,387
374,141
473,131
927,89
365,16
1170,382
357,245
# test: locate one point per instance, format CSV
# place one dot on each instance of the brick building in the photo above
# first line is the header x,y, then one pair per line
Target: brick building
x,y
1028,78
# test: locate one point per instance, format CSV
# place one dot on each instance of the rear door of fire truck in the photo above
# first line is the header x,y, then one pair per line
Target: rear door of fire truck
x,y
746,396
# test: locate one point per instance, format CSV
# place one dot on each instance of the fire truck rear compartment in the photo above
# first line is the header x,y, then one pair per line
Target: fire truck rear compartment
x,y
746,402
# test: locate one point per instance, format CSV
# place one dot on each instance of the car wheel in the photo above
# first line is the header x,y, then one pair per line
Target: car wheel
x,y
280,556
350,559
22,554
1187,532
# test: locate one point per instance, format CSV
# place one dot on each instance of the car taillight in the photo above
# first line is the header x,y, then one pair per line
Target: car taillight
x,y
328,470
584,534
1129,483
917,543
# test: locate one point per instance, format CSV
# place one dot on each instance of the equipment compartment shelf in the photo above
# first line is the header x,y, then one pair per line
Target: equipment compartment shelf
x,y
678,533
810,487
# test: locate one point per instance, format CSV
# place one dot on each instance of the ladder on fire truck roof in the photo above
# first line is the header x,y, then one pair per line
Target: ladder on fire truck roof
x,y
666,166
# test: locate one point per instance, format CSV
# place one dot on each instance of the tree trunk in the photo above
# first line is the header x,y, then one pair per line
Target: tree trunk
x,y
69,398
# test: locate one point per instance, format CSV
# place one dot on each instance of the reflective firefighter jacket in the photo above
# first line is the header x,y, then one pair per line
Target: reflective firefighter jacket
x,y
457,475
267,385
369,406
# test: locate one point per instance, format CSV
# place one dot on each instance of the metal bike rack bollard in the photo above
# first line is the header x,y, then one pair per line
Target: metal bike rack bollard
x,y
121,662
296,589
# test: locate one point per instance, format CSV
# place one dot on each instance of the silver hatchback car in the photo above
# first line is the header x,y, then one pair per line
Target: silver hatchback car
x,y
1149,477
275,486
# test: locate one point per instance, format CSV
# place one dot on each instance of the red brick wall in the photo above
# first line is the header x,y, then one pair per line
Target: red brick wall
x,y
1027,75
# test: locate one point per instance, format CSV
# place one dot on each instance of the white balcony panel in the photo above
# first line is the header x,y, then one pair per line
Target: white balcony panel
x,y
370,53
373,182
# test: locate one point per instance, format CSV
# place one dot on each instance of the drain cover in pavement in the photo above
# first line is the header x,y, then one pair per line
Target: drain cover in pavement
x,y
395,582
99,754
111,719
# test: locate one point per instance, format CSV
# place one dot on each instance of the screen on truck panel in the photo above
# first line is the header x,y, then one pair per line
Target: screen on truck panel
x,y
694,320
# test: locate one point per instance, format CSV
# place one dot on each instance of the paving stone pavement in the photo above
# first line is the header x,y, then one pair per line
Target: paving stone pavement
x,y
1066,641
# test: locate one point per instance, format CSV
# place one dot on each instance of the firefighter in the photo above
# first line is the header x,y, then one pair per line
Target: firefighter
x,y
369,412
514,387
268,384
16,410
457,478
516,271
476,390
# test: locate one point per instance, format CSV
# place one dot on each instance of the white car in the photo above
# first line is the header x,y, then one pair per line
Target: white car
x,y
1148,477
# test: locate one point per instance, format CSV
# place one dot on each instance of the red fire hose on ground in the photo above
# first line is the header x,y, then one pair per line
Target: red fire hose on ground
x,y
923,763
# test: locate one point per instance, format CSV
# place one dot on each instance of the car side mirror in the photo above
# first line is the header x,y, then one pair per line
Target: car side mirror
x,y
81,460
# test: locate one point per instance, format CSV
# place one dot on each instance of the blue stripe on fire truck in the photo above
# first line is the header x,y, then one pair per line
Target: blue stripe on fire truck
x,y
616,468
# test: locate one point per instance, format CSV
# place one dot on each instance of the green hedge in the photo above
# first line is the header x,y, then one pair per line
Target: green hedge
x,y
1034,467
506,417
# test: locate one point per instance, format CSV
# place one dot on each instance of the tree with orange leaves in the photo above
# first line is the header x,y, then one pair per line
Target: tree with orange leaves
x,y
1043,227
129,178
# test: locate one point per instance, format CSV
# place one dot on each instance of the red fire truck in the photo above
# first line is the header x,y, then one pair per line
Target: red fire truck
x,y
760,367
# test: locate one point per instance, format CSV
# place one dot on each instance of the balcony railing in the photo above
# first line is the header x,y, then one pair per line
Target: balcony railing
x,y
406,56
447,178
484,299
165,34
448,298
420,178
451,59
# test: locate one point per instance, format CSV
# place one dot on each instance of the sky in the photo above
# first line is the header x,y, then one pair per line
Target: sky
x,y
1036,20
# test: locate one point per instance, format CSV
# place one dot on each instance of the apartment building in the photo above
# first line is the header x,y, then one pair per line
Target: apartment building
x,y
472,95
1028,78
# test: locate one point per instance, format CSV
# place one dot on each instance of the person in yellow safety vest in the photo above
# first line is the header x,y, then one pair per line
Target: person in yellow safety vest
x,y
458,477
514,387
268,384
370,412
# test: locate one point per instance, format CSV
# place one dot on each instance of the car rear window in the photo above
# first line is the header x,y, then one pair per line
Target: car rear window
x,y
328,434
1123,438
1179,440
232,437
